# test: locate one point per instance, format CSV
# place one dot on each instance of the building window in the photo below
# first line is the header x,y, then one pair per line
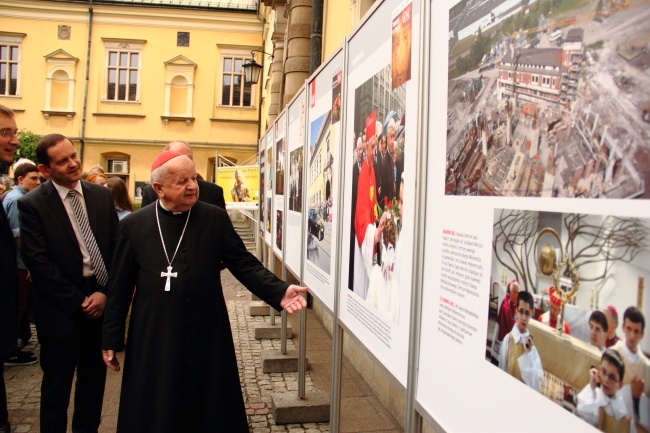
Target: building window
x,y
234,92
9,56
183,39
123,75
535,79
546,81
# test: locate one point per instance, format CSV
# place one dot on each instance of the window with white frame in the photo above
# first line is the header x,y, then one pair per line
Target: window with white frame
x,y
535,79
546,81
123,74
10,44
234,92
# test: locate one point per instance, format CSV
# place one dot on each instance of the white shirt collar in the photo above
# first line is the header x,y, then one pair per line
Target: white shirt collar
x,y
518,336
163,206
614,406
63,191
631,356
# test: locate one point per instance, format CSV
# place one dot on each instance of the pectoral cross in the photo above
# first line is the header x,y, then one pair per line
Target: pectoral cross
x,y
168,274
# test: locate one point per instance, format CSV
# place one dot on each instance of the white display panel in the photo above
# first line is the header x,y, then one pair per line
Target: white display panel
x,y
268,209
378,213
280,182
294,192
262,182
530,120
321,192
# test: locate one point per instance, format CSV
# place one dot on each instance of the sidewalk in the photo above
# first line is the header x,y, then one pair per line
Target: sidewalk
x,y
360,410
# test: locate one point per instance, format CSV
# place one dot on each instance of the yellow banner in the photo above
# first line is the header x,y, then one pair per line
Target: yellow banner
x,y
240,183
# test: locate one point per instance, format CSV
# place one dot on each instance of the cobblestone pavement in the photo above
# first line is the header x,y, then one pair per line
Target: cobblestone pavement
x,y
360,409
23,383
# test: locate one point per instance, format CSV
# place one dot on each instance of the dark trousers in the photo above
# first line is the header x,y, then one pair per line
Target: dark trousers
x,y
59,359
24,330
4,415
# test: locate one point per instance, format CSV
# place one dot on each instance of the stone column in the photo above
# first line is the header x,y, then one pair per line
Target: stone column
x,y
296,67
279,30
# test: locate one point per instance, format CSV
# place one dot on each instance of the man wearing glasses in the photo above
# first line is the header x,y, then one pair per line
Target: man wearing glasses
x,y
8,265
518,355
600,403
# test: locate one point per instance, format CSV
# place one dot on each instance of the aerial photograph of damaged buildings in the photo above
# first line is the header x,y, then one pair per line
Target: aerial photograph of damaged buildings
x,y
549,98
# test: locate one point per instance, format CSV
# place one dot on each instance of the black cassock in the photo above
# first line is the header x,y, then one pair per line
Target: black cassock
x,y
180,371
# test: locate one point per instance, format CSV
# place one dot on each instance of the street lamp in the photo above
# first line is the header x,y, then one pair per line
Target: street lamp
x,y
252,69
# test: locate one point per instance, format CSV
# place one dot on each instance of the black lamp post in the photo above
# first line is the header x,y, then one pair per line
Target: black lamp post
x,y
252,69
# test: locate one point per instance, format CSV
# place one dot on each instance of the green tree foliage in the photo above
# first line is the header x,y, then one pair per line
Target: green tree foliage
x,y
27,147
480,47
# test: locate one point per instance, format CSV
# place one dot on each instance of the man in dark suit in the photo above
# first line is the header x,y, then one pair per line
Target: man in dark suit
x,y
68,232
385,182
8,265
208,192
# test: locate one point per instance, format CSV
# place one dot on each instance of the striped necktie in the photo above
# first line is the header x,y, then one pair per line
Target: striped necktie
x,y
91,244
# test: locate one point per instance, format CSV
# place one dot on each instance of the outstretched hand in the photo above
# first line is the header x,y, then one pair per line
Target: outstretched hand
x,y
293,300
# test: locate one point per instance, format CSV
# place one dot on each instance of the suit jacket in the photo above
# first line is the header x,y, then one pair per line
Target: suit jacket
x,y
51,252
385,178
8,287
209,193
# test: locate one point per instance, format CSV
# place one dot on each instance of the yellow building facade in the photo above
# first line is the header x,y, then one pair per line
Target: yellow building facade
x,y
288,37
122,79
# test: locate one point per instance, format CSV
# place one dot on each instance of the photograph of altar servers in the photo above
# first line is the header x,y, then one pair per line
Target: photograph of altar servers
x,y
377,192
549,99
320,193
585,274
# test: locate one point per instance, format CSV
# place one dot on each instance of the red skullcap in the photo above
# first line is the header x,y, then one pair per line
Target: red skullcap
x,y
510,283
163,157
612,310
554,296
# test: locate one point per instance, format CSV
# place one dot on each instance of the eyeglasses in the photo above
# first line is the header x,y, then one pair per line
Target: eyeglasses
x,y
7,133
524,312
610,377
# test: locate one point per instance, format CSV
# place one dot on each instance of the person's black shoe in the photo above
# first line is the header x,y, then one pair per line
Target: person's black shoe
x,y
20,358
5,428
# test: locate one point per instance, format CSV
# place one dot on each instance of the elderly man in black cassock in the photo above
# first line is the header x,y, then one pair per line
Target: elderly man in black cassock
x,y
180,370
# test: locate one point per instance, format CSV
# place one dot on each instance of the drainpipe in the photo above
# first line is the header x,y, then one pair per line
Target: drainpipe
x,y
315,51
82,134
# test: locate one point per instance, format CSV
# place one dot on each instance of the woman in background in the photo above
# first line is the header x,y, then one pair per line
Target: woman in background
x,y
121,198
98,178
